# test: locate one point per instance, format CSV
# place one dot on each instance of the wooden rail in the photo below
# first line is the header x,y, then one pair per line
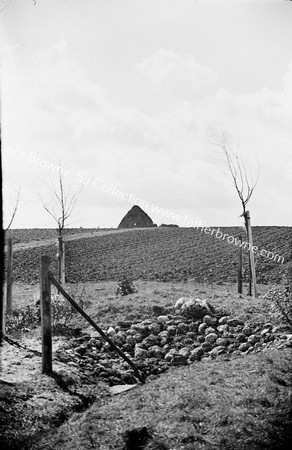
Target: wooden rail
x,y
48,278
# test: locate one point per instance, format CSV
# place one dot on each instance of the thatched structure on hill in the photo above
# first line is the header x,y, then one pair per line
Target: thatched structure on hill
x,y
136,218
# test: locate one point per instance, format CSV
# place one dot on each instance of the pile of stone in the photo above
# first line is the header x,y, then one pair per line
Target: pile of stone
x,y
194,331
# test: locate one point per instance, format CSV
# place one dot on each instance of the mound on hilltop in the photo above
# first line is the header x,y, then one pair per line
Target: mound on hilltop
x,y
136,218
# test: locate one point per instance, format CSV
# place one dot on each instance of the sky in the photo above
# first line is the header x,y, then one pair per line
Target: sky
x,y
129,99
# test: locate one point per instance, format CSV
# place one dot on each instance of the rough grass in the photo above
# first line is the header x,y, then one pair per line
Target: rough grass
x,y
228,403
107,308
238,403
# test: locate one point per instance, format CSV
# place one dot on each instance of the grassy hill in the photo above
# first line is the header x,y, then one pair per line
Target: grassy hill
x,y
161,254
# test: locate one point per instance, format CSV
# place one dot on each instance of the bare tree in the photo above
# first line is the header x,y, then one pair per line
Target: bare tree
x,y
239,170
60,207
244,183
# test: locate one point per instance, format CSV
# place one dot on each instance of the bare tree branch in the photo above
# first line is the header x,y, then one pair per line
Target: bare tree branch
x,y
62,204
241,175
14,210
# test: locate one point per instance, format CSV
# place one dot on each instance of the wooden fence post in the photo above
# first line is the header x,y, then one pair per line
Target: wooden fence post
x,y
46,316
2,319
251,256
9,280
240,253
60,248
63,265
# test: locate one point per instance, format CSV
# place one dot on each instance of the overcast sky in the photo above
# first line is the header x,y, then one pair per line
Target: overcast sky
x,y
128,94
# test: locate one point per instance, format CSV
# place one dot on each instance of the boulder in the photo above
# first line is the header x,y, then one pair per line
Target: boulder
x,y
234,322
154,328
162,319
211,338
196,354
244,347
210,321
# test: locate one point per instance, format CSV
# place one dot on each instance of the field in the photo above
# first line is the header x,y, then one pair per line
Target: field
x,y
240,399
161,254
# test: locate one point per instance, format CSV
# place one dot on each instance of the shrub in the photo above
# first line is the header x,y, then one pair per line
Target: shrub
x,y
29,317
125,287
24,318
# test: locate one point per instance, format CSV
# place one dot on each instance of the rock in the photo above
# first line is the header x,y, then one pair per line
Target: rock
x,y
165,349
265,331
111,332
196,308
118,339
131,331
194,326
178,304
201,339
127,347
155,351
222,342
154,328
232,347
244,347
81,350
72,364
150,340
124,324
223,320
247,330
162,319
210,321
140,328
138,337
253,339
191,335
169,355
218,350
234,322
241,337
158,310
202,328
257,345
223,328
196,354
209,330
211,338
289,340
171,330
164,334
281,329
178,360
206,346
185,351
182,328
130,340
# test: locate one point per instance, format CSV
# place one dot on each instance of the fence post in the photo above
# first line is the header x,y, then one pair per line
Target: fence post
x,y
251,256
46,316
63,265
2,318
9,276
240,266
